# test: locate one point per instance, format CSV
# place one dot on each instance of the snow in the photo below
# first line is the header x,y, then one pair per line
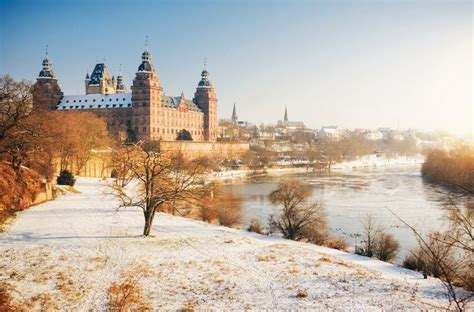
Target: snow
x,y
93,101
368,161
379,161
81,240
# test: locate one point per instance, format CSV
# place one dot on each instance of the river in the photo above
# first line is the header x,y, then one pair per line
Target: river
x,y
349,195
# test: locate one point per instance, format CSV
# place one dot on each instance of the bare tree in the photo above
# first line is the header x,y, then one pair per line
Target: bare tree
x,y
164,180
371,228
449,256
299,218
16,103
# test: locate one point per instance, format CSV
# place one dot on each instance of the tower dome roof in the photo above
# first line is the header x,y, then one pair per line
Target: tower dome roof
x,y
47,71
205,82
146,64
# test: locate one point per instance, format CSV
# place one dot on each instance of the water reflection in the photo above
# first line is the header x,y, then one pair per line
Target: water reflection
x,y
348,196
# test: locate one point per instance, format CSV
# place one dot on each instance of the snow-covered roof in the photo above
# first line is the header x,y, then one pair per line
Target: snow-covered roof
x,y
116,100
329,129
94,101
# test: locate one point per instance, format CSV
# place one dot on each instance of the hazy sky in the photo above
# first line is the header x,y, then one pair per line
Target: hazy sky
x,y
347,63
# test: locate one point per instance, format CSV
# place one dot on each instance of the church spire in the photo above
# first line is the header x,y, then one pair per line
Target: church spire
x,y
234,115
285,118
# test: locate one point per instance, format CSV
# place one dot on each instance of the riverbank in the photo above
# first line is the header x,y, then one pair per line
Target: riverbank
x,y
369,161
67,254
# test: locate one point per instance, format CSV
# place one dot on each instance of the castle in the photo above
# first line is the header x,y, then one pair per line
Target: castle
x,y
145,113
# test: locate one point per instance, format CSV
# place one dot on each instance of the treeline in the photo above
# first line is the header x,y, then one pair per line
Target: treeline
x,y
35,141
453,169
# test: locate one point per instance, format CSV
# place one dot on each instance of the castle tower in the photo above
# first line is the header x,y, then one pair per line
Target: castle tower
x,y
285,118
100,81
205,98
234,115
146,98
46,91
121,87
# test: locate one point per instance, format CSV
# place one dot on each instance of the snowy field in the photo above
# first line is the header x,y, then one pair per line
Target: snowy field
x,y
66,254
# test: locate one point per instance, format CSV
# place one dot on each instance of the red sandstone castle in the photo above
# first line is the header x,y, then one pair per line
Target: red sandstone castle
x,y
145,113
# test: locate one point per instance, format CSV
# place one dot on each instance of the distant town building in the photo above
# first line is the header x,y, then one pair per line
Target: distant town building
x,y
373,135
331,133
285,126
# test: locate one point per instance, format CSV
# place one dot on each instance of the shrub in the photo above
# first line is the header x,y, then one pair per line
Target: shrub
x,y
386,246
301,294
229,211
66,178
208,213
127,293
299,219
184,135
255,227
412,262
338,244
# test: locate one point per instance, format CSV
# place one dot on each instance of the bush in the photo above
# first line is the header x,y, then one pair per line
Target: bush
x,y
338,244
229,212
386,246
412,262
66,178
299,219
255,227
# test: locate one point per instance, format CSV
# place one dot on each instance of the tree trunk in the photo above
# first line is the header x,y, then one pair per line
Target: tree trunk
x,y
149,216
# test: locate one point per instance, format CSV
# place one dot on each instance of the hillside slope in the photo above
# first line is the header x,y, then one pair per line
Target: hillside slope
x,y
67,253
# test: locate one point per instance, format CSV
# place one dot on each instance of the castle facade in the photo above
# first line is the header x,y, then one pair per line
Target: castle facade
x,y
144,113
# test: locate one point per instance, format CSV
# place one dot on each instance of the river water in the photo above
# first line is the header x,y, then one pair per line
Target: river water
x,y
349,195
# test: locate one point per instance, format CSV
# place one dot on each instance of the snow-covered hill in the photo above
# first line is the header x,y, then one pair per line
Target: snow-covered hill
x,y
66,254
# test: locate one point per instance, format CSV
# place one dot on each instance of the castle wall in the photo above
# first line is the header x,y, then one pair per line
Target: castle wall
x,y
218,150
100,165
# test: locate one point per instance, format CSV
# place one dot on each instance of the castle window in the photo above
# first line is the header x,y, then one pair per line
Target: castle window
x,y
74,101
100,106
107,105
82,106
67,101
77,106
93,100
90,106
123,99
121,105
85,101
116,100
110,100
114,105
80,101
129,105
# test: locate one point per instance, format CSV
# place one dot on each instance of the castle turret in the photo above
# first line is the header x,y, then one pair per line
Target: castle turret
x,y
146,98
205,98
121,87
100,81
46,91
